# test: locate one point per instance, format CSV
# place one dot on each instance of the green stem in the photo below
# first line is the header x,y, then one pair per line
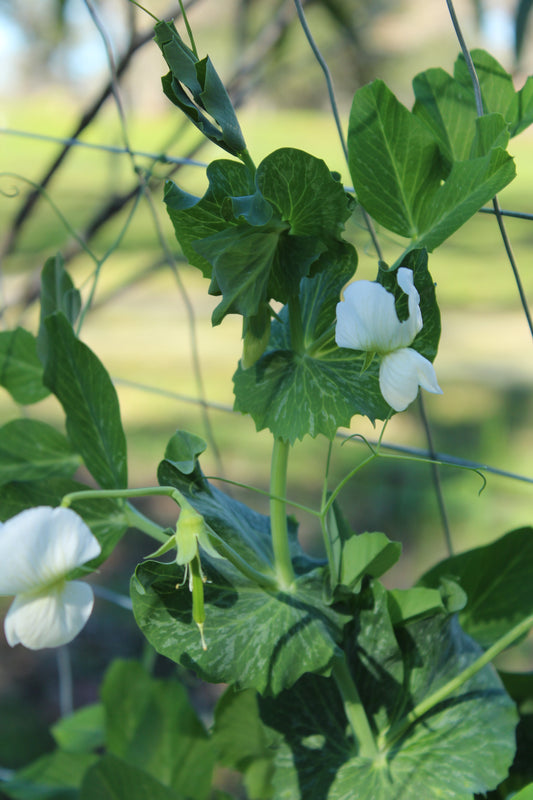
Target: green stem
x,y
394,733
136,519
278,513
354,709
247,161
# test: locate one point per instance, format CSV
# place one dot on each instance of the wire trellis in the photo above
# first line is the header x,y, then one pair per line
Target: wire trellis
x,y
143,182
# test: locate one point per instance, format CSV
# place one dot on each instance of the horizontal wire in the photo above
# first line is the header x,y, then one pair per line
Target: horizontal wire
x,y
398,448
162,158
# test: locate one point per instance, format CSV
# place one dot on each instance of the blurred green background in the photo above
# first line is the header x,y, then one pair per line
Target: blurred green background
x,y
146,324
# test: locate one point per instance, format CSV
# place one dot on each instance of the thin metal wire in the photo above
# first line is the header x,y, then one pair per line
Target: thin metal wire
x,y
331,92
398,448
495,203
107,148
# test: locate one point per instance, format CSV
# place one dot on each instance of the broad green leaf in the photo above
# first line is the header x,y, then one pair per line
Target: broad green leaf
x,y
56,776
462,746
468,187
30,450
81,732
242,741
58,293
84,389
497,90
113,779
407,604
243,529
524,794
183,450
255,637
304,193
318,391
399,174
354,555
196,219
195,87
394,160
105,517
150,724
21,372
242,259
497,580
256,243
447,104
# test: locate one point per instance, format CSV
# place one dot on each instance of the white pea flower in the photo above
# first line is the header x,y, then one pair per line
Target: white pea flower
x,y
38,548
367,321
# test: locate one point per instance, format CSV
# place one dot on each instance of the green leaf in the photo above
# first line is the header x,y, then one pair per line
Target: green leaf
x,y
242,259
497,90
257,241
242,741
105,517
30,450
113,779
462,746
447,104
183,450
196,219
84,389
394,160
525,794
357,554
151,725
497,579
399,174
56,776
21,372
195,87
316,392
407,604
58,293
304,193
255,638
82,731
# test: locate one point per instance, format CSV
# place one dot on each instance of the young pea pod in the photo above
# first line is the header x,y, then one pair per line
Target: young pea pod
x,y
194,86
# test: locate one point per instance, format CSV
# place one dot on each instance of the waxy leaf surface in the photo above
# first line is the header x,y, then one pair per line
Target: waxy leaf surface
x,y
33,450
84,389
319,390
463,746
21,372
497,579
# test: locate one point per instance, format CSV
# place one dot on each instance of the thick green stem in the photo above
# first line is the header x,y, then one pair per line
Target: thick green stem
x,y
389,736
278,513
363,735
137,520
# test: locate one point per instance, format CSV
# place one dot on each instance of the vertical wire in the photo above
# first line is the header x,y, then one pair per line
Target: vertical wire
x,y
171,261
64,674
329,83
495,202
425,422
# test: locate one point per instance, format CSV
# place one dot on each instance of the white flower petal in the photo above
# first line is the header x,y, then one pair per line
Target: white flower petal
x,y
367,318
40,545
400,375
413,324
49,619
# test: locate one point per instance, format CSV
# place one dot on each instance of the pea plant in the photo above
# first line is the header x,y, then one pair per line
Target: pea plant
x,y
337,688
